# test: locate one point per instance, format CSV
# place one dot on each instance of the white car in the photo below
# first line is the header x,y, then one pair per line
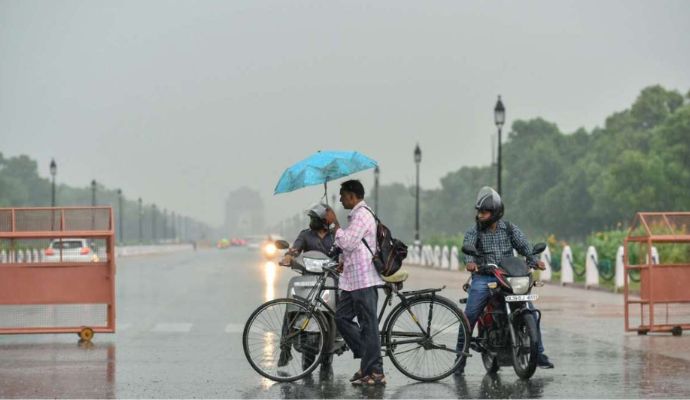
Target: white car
x,y
72,249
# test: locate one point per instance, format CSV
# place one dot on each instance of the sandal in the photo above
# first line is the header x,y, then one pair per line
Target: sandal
x,y
375,379
357,376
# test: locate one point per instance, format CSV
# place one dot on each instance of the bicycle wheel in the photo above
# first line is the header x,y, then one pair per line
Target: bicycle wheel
x,y
275,331
427,353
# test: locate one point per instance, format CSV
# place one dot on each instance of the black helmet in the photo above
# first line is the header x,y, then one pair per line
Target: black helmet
x,y
317,216
489,200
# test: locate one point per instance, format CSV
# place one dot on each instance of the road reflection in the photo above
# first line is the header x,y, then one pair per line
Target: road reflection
x,y
270,268
57,370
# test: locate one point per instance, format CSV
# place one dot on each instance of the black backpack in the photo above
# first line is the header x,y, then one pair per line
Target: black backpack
x,y
390,252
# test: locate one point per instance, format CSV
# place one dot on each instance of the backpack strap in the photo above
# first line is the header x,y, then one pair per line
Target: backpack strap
x,y
368,248
376,219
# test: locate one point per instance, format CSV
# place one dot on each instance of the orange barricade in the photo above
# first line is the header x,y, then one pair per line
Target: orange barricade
x,y
57,270
657,254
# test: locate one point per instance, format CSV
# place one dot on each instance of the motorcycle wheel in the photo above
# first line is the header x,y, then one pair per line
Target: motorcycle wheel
x,y
525,355
490,361
308,356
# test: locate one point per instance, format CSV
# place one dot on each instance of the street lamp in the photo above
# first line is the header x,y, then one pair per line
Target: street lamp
x,y
53,172
499,119
141,222
93,204
93,193
119,214
377,172
153,224
165,224
174,226
417,161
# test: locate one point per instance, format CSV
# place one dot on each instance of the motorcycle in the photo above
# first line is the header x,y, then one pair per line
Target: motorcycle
x,y
508,326
310,265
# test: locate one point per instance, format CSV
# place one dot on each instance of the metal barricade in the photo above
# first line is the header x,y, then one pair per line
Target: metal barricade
x,y
664,278
57,274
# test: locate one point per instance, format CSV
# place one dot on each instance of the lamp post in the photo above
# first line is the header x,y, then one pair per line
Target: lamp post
x,y
119,214
141,222
153,224
93,204
165,224
377,172
53,172
499,119
417,161
174,227
93,193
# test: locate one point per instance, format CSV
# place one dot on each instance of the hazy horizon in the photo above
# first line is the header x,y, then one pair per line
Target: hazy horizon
x,y
182,102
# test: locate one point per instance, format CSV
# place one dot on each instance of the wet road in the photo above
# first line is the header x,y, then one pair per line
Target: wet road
x,y
180,318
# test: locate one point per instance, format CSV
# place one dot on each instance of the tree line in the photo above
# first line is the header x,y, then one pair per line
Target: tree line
x,y
569,185
22,186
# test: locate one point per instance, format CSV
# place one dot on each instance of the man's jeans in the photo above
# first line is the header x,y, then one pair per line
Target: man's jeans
x,y
477,298
363,338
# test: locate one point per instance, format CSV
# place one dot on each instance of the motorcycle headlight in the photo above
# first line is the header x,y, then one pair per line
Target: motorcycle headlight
x,y
520,285
313,265
270,249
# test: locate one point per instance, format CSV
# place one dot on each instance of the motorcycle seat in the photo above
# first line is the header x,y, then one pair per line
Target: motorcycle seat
x,y
397,277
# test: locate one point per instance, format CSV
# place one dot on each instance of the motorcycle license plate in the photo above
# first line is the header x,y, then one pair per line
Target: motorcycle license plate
x,y
522,297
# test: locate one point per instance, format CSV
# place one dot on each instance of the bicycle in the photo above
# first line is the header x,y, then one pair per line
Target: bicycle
x,y
419,335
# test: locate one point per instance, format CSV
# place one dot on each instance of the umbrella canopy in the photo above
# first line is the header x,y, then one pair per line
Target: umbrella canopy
x,y
322,167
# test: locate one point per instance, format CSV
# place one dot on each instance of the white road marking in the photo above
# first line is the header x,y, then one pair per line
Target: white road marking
x,y
172,327
234,328
122,327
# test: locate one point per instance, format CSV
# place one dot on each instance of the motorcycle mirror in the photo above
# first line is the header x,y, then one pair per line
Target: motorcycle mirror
x,y
282,244
538,248
469,250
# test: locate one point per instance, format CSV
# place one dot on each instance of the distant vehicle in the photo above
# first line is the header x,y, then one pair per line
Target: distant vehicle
x,y
264,244
72,249
223,243
238,242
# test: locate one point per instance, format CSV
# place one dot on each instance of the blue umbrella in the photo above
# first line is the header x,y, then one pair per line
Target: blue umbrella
x,y
322,167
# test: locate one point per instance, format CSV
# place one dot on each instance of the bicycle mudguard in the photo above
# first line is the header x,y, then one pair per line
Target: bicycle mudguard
x,y
422,291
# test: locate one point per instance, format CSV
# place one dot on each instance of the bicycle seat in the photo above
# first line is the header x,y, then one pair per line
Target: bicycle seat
x,y
397,277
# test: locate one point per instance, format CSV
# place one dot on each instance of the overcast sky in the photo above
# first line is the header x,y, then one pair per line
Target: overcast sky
x,y
182,102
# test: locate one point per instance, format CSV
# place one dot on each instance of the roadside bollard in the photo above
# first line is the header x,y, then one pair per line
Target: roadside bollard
x,y
427,255
591,270
437,257
545,275
567,266
454,258
620,269
445,255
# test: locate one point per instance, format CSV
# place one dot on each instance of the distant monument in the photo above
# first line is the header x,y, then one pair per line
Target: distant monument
x,y
244,213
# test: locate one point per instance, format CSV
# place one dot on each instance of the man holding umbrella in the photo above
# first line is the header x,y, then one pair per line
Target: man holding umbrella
x,y
358,282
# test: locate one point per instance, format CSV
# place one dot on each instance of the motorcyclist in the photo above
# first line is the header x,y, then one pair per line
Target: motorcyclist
x,y
318,237
495,239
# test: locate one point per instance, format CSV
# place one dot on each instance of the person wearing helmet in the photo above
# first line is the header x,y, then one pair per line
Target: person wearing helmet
x,y
495,238
318,237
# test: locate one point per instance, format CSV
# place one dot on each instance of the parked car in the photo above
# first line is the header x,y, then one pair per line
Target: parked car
x,y
72,249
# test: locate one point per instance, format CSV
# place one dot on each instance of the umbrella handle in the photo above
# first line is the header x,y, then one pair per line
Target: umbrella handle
x,y
325,191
